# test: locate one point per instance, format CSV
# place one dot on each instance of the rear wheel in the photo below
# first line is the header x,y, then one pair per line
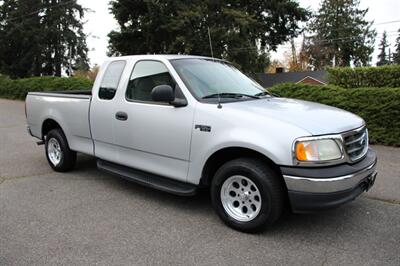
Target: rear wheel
x,y
247,194
58,153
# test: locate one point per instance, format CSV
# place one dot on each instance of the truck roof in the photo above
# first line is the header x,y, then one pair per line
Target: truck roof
x,y
158,56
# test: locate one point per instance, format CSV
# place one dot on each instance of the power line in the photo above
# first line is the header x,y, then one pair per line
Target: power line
x,y
341,40
350,38
387,22
344,39
39,10
381,23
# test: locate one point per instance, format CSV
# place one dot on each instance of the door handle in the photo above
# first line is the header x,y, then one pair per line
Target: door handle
x,y
121,116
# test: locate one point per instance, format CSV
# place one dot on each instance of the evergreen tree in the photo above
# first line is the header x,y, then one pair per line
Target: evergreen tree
x,y
37,37
241,31
396,54
64,37
19,37
383,57
340,35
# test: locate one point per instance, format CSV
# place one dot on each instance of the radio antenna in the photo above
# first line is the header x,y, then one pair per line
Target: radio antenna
x,y
212,55
209,39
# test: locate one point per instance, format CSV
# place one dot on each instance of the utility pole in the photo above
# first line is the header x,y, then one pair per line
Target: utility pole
x,y
294,53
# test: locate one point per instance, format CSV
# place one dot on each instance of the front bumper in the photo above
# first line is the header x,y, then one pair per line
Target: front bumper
x,y
312,189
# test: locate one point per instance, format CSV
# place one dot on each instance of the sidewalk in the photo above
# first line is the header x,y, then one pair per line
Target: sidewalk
x,y
387,184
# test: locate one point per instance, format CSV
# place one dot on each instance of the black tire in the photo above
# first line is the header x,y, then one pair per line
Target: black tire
x,y
67,157
267,181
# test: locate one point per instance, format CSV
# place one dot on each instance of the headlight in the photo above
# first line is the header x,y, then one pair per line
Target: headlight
x,y
318,150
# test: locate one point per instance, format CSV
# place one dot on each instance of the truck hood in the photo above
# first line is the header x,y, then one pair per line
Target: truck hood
x,y
317,119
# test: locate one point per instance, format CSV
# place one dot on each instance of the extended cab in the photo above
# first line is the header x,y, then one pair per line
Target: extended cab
x,y
178,123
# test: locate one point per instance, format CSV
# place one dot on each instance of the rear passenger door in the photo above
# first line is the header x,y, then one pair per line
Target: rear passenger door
x,y
155,137
102,111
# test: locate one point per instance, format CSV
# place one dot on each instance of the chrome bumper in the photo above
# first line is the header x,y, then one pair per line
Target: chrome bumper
x,y
329,185
332,179
311,189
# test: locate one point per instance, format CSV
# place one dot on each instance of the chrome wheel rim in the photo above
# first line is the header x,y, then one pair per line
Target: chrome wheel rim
x,y
241,198
54,151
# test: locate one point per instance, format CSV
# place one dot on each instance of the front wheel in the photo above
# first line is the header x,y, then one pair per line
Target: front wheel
x,y
247,194
58,153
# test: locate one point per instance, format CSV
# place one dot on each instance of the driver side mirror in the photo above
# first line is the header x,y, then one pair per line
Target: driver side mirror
x,y
166,94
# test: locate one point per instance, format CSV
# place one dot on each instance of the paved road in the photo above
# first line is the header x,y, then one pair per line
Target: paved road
x,y
89,217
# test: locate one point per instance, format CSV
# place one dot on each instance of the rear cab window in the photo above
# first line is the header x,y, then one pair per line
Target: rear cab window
x,y
111,79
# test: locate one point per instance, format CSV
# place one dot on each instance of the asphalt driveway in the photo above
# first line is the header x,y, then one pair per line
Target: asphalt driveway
x,y
89,217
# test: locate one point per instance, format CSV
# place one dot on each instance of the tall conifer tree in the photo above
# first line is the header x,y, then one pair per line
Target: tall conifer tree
x,y
340,35
37,37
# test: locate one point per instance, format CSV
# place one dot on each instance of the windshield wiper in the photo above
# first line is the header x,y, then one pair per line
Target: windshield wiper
x,y
229,95
264,93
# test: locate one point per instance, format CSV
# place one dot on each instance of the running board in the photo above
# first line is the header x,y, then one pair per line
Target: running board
x,y
148,179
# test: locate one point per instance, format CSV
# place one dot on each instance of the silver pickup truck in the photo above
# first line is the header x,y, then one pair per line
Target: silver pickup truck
x,y
179,123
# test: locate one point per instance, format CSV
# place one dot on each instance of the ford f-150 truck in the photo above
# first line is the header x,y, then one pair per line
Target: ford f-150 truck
x,y
179,123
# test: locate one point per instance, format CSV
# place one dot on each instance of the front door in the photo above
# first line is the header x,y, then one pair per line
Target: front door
x,y
152,136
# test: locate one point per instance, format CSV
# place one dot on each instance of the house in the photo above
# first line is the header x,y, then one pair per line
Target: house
x,y
306,77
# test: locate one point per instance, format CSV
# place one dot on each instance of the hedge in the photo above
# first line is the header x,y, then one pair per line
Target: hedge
x,y
17,89
359,77
379,107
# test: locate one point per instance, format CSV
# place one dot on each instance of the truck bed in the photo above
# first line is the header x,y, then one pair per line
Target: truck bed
x,y
67,94
69,109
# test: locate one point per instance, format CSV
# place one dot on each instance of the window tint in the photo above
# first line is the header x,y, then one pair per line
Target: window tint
x,y
110,81
145,76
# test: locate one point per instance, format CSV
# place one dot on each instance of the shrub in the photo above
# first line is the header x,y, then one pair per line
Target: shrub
x,y
379,107
383,76
17,89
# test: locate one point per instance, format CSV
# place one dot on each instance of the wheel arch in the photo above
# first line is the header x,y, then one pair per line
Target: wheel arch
x,y
49,124
221,156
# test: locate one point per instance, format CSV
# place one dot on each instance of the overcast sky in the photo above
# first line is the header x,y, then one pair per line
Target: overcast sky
x,y
99,22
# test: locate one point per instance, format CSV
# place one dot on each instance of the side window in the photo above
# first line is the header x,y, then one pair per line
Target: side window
x,y
145,76
111,78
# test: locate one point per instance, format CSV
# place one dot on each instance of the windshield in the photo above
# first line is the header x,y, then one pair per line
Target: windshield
x,y
207,79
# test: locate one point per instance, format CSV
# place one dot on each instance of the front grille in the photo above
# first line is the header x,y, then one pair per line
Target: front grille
x,y
356,144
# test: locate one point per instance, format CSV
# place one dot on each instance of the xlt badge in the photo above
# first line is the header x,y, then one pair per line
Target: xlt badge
x,y
203,128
